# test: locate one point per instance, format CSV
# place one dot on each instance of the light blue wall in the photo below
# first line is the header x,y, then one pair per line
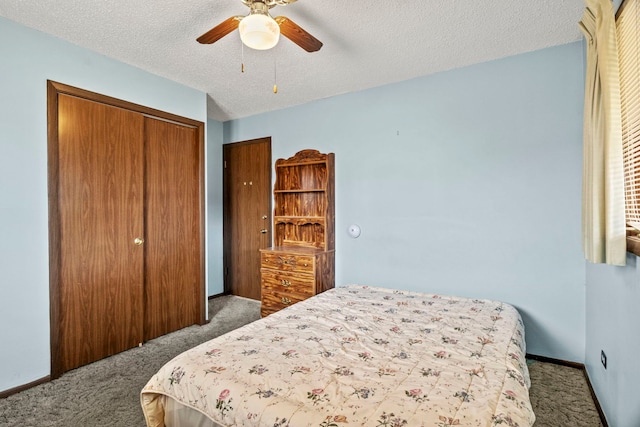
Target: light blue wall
x,y
25,65
466,182
214,216
613,325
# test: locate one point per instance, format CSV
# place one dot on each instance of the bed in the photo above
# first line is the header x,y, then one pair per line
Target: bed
x,y
354,355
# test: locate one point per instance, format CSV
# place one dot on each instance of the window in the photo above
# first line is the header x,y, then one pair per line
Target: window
x,y
628,35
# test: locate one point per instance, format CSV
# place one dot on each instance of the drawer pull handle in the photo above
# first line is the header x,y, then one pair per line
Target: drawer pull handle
x,y
285,283
286,301
290,261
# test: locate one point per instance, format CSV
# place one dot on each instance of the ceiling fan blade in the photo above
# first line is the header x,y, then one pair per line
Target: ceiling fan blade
x,y
296,34
220,30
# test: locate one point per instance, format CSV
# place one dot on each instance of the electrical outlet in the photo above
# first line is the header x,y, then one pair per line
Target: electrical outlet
x,y
603,359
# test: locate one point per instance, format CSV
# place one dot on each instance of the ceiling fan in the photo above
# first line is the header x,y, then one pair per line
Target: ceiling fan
x,y
258,30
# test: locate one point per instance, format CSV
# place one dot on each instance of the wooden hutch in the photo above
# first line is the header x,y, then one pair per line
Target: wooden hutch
x,y
302,261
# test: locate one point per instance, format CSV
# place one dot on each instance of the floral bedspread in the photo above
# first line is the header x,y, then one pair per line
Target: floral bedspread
x,y
359,355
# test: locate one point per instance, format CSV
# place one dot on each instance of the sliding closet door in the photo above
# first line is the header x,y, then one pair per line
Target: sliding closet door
x,y
173,241
126,225
100,203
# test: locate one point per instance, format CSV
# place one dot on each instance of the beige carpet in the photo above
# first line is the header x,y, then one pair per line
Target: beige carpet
x,y
560,396
106,393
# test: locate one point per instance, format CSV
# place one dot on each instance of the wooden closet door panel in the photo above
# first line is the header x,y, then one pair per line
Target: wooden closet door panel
x,y
173,242
101,212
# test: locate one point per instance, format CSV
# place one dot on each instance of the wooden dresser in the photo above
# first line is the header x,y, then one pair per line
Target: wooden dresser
x,y
292,274
301,262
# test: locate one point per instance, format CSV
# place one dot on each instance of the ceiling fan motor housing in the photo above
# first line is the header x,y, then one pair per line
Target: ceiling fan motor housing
x,y
269,3
258,7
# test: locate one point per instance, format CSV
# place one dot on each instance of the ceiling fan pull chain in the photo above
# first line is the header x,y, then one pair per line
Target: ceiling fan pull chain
x,y
242,55
275,75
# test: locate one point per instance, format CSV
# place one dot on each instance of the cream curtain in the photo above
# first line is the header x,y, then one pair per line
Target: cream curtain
x,y
603,220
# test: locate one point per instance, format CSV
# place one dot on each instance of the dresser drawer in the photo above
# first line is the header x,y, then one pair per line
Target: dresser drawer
x,y
273,300
288,262
274,280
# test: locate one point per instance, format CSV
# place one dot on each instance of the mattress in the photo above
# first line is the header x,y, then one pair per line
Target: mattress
x,y
356,355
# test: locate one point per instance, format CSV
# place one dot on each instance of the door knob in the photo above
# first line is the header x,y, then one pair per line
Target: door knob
x,y
263,231
264,217
138,241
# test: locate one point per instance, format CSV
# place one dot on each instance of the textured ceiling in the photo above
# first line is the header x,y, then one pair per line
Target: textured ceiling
x,y
366,43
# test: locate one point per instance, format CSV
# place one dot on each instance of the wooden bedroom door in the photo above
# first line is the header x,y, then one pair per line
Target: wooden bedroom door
x,y
247,214
100,202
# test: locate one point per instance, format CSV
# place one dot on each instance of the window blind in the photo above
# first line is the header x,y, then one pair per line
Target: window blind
x,y
628,35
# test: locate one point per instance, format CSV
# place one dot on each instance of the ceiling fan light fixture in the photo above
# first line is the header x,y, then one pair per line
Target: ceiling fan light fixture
x,y
259,31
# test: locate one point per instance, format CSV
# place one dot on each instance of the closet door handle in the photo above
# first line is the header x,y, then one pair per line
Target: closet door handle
x,y
263,231
138,241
